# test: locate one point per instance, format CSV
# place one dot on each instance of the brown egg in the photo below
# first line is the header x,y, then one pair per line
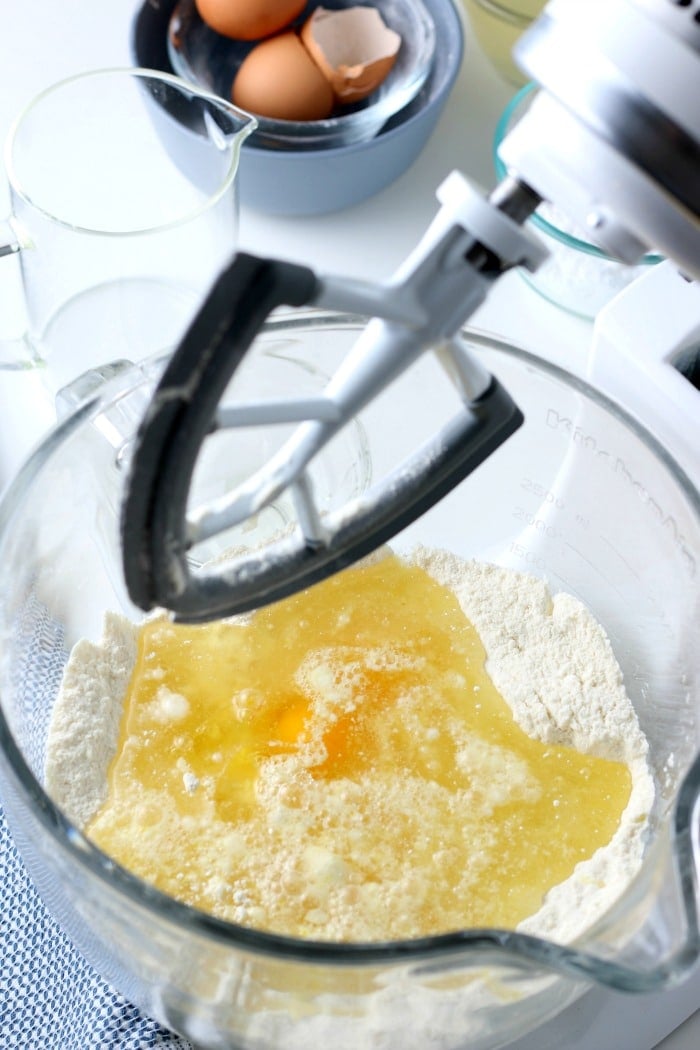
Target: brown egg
x,y
353,48
248,19
279,79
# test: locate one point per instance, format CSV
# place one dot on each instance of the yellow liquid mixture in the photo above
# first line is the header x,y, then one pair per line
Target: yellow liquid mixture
x,y
340,766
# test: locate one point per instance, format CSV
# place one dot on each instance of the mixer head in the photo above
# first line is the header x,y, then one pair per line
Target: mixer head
x,y
613,136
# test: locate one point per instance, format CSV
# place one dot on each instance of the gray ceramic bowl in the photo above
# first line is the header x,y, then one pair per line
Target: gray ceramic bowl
x,y
308,182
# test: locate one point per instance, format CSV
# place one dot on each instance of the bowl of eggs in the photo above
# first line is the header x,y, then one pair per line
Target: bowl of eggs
x,y
383,107
314,77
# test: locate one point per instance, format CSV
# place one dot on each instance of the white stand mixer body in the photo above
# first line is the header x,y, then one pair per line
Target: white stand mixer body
x,y
640,341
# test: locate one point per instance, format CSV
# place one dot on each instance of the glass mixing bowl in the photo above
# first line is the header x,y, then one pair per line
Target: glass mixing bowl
x,y
582,496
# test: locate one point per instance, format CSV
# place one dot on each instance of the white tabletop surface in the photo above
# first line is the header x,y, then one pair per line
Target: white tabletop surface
x,y
45,40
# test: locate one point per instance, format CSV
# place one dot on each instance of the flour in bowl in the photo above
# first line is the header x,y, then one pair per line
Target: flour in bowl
x,y
384,793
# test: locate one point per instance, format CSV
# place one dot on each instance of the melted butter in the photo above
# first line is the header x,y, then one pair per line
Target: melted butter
x,y
341,766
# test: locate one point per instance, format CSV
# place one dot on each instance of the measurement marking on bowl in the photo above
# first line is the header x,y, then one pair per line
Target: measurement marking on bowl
x,y
536,488
630,568
592,565
536,523
527,556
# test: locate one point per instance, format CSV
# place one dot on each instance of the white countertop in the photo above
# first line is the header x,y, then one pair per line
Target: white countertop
x,y
43,41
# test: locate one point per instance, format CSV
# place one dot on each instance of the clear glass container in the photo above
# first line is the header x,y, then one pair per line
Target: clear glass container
x,y
581,496
124,195
577,276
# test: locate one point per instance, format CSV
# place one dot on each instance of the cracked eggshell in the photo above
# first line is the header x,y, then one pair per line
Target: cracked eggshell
x,y
248,19
353,48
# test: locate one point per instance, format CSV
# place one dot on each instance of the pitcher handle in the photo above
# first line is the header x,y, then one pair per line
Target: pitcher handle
x,y
16,353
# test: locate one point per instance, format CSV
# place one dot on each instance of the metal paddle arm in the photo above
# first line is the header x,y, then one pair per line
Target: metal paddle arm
x,y
469,244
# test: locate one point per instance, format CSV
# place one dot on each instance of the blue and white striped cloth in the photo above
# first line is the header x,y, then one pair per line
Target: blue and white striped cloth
x,y
50,998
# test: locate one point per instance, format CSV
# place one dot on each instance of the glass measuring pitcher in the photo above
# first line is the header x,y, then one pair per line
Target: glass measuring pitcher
x,y
581,496
124,207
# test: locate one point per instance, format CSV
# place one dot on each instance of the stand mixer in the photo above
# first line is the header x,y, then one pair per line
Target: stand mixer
x,y
612,139
130,932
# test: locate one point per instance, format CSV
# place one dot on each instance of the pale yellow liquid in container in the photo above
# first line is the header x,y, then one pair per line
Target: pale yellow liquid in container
x,y
498,27
340,766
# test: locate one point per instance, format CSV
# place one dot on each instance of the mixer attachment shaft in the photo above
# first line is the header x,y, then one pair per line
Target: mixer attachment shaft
x,y
469,244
